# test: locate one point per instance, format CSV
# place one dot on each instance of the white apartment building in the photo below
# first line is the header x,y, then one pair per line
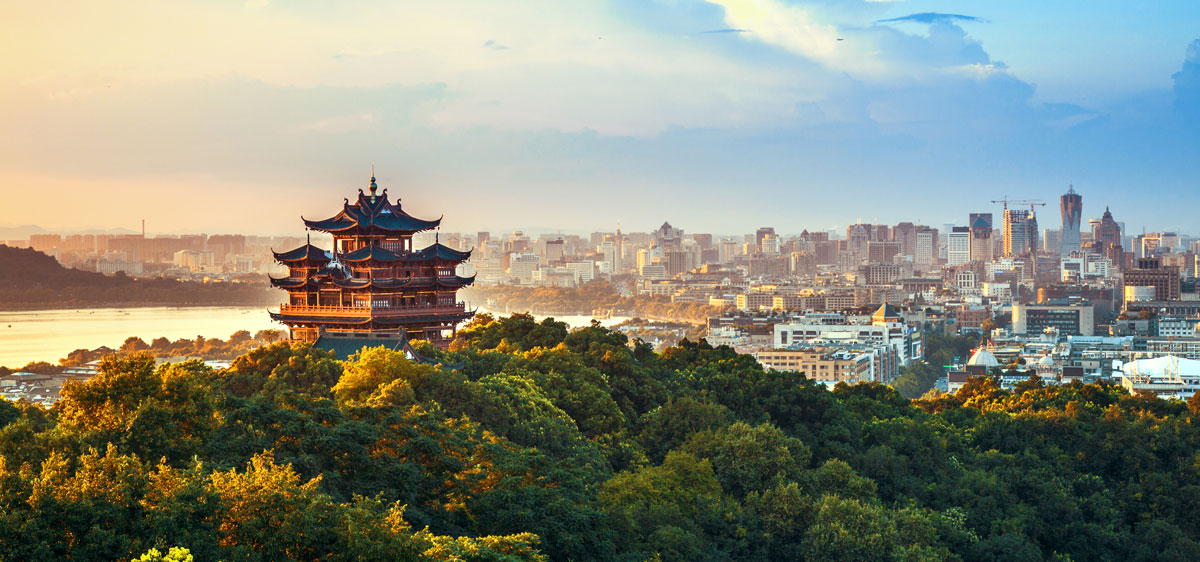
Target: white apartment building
x,y
522,266
958,247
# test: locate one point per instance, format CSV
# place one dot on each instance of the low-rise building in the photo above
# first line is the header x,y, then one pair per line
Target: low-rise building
x,y
1074,318
1166,377
886,329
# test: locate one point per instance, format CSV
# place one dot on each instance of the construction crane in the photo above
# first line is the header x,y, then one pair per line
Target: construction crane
x,y
1031,202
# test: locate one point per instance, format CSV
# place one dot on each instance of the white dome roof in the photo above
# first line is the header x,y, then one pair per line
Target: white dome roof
x,y
983,358
1046,361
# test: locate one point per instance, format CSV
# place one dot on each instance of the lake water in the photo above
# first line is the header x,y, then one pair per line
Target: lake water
x,y
48,335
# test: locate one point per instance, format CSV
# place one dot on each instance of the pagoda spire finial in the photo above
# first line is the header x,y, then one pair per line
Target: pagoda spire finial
x,y
373,185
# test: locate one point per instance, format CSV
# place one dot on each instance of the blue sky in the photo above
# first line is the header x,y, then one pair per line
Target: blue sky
x,y
719,115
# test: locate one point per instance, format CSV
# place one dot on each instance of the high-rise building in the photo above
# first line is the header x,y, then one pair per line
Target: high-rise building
x,y
523,266
981,249
554,250
518,242
1148,244
1020,232
667,236
906,234
729,250
643,259
1106,238
762,233
677,261
769,244
958,246
882,252
1071,205
926,249
1150,272
1107,232
612,255
1051,240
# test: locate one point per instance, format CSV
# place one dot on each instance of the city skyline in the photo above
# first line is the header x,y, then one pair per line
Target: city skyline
x,y
578,116
966,220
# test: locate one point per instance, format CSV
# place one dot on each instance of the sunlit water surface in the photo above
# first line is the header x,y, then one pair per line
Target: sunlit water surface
x,y
47,335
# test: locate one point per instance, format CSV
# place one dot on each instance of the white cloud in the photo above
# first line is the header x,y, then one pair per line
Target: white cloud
x,y
868,52
568,66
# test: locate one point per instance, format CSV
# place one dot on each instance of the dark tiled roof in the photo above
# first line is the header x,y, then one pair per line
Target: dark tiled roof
x,y
371,213
289,282
438,251
307,252
370,252
410,282
345,346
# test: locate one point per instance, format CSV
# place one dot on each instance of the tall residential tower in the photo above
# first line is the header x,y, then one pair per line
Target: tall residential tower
x,y
1072,210
1020,232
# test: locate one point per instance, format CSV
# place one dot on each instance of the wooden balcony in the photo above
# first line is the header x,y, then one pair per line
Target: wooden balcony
x,y
372,311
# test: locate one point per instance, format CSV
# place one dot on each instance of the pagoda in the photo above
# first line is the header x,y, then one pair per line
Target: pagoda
x,y
373,283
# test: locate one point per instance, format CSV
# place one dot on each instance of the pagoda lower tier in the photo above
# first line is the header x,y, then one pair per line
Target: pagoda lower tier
x,y
434,323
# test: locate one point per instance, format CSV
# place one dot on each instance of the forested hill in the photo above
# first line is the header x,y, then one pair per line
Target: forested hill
x,y
31,279
544,444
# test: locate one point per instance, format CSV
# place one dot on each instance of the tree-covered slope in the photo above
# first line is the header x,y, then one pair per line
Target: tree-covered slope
x,y
31,279
557,445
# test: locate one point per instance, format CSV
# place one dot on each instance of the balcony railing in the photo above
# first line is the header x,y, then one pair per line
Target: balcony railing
x,y
374,310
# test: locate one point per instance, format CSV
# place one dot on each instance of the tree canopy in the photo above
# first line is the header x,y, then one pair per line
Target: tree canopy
x,y
545,444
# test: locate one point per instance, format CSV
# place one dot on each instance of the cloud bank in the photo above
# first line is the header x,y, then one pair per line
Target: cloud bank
x,y
519,112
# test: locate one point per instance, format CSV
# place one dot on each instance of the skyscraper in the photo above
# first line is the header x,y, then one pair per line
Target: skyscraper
x,y
981,237
762,233
1020,232
926,249
1052,240
958,245
1071,205
1106,238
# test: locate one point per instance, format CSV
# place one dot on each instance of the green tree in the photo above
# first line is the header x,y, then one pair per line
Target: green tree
x,y
747,458
379,376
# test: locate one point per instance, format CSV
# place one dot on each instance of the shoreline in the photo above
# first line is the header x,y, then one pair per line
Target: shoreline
x,y
48,335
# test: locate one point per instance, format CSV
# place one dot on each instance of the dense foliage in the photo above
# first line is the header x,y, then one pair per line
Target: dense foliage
x,y
549,444
32,279
199,347
584,299
940,351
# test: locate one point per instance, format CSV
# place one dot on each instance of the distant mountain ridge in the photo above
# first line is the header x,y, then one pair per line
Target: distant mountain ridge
x,y
31,279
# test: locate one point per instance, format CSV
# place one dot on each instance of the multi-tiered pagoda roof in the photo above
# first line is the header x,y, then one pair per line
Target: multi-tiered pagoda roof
x,y
372,280
372,214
